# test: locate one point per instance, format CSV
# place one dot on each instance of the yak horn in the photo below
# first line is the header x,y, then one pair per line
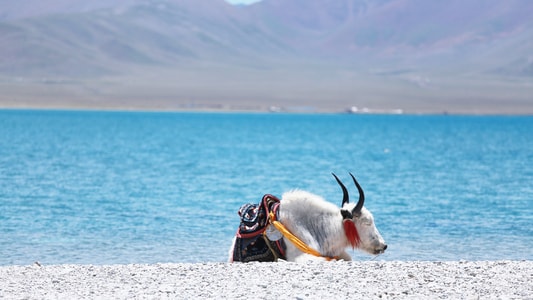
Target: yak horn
x,y
361,202
345,196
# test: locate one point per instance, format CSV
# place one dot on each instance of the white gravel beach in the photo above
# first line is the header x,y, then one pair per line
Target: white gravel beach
x,y
316,280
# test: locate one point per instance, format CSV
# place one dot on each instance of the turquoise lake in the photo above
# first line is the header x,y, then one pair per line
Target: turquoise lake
x,y
94,187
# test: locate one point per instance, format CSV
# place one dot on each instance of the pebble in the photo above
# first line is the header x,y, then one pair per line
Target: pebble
x,y
315,280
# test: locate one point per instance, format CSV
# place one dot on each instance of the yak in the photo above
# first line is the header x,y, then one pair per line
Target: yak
x,y
303,226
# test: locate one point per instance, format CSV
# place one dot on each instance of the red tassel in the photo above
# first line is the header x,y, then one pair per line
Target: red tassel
x,y
351,232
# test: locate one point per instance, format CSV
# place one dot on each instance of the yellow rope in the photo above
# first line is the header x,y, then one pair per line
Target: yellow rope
x,y
294,239
267,241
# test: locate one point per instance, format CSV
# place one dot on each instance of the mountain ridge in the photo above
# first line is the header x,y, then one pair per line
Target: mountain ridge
x,y
324,45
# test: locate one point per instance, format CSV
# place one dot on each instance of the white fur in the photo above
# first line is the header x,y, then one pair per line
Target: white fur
x,y
318,223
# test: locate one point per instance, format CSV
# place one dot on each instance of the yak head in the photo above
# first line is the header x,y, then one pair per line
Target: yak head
x,y
364,235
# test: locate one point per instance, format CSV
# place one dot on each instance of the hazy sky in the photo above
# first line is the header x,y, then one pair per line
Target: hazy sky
x,y
242,1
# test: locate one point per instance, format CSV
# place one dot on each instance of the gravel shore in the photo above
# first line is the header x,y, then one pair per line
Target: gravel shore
x,y
316,280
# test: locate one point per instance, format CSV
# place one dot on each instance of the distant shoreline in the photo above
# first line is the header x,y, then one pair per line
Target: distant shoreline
x,y
276,110
314,280
307,95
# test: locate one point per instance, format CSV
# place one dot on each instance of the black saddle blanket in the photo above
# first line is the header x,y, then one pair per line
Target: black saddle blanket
x,y
250,242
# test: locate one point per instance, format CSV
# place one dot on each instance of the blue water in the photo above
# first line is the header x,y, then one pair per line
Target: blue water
x,y
140,187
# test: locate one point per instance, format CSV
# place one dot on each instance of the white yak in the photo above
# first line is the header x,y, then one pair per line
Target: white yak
x,y
314,229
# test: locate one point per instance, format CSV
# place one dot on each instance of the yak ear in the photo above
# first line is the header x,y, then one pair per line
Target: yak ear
x,y
345,196
357,209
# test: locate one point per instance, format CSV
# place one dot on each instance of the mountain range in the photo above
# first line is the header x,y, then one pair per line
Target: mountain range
x,y
311,55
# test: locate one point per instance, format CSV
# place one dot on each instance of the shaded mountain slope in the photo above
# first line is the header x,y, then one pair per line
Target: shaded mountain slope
x,y
319,53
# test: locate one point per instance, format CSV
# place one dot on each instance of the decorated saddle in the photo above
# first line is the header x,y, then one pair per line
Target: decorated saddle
x,y
253,241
